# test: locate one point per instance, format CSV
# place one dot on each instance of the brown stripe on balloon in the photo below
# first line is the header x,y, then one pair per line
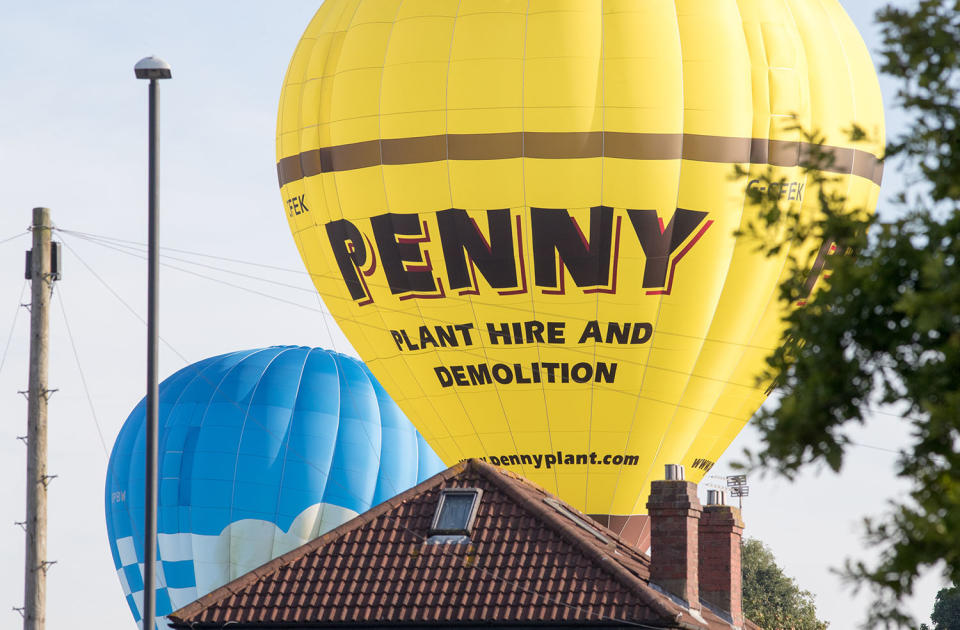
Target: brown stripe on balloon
x,y
485,146
349,157
414,150
783,153
562,146
759,150
716,148
877,171
311,163
574,145
842,161
864,165
642,146
288,169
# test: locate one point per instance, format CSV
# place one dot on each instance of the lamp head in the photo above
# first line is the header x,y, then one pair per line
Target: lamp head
x,y
152,68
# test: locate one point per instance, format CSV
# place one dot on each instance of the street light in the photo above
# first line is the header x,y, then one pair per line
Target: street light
x,y
154,69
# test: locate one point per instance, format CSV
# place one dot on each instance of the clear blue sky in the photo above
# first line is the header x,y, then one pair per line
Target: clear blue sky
x,y
72,137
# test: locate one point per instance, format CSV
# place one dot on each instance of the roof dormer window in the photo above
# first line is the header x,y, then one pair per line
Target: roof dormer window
x,y
456,512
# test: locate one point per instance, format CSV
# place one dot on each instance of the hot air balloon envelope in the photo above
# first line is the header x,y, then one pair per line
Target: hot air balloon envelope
x,y
522,214
260,451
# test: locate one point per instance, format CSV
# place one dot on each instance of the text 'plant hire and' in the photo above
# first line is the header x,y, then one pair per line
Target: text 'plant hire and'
x,y
519,333
401,249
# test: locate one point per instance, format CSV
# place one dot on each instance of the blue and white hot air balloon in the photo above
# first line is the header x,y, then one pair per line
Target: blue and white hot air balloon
x,y
260,451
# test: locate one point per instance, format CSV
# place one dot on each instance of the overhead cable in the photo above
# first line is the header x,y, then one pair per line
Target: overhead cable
x,y
13,325
83,378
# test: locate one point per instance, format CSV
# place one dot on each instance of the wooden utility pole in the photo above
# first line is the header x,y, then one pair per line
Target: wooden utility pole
x,y
41,284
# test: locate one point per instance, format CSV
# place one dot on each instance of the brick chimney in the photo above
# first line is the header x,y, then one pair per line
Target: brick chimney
x,y
721,529
674,511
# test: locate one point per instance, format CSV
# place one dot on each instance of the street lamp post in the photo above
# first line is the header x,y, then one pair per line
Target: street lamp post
x,y
153,69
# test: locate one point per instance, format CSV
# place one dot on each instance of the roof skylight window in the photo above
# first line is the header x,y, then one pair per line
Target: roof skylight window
x,y
456,511
576,519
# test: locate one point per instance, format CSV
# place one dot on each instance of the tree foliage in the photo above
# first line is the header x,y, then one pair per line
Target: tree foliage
x,y
886,328
771,599
946,610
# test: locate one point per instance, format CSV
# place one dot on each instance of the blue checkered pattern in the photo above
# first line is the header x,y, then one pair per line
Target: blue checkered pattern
x,y
175,581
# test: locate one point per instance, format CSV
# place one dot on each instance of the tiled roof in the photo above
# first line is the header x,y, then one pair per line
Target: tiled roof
x,y
526,563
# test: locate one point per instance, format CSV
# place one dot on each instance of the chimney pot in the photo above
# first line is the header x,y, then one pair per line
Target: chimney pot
x,y
716,497
673,472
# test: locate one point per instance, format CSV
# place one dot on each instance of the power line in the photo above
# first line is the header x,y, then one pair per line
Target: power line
x,y
83,378
14,237
876,448
140,253
91,236
116,295
13,325
519,309
218,280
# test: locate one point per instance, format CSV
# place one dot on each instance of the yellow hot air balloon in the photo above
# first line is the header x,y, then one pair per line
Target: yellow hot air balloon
x,y
521,214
